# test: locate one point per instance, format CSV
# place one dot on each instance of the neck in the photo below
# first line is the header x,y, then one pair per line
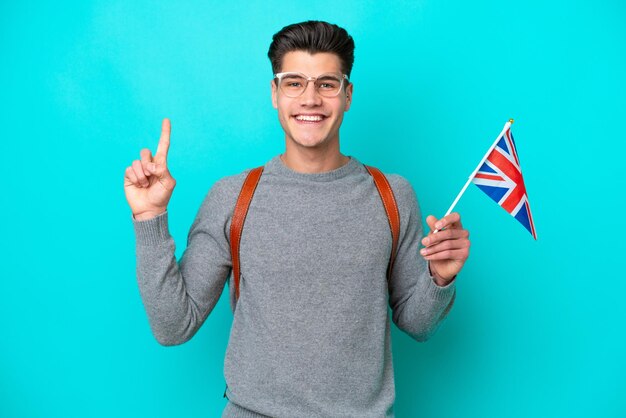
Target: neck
x,y
313,160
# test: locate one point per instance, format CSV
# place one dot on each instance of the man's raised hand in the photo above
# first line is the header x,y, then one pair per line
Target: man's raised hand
x,y
148,183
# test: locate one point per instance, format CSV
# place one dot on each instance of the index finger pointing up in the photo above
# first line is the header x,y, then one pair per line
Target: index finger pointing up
x,y
164,141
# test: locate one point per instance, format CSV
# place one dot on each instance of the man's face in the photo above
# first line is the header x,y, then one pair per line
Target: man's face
x,y
324,114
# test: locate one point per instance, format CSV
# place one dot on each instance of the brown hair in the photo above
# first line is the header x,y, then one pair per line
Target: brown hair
x,y
312,36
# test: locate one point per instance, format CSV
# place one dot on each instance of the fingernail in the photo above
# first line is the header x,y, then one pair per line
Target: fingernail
x,y
423,251
426,241
151,167
438,225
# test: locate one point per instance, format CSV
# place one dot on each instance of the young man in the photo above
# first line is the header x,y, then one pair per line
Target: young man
x,y
311,332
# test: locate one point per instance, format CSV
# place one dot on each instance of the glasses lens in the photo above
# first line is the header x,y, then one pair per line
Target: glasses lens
x,y
292,84
328,84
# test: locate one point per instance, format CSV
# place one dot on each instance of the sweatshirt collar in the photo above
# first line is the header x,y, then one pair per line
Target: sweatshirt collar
x,y
277,166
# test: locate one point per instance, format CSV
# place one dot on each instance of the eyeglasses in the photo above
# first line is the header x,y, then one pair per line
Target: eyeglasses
x,y
294,84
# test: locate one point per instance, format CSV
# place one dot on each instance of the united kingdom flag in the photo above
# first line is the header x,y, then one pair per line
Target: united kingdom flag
x,y
500,176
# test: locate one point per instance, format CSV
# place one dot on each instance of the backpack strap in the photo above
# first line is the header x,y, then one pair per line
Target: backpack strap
x,y
391,208
245,197
239,216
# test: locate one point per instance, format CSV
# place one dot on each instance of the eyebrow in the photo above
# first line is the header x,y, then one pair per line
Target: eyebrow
x,y
295,74
328,76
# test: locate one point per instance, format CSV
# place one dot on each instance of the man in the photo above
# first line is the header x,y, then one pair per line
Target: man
x,y
311,332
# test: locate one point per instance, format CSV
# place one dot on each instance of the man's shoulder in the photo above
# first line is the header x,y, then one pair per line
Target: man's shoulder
x,y
224,192
231,183
401,187
402,190
399,184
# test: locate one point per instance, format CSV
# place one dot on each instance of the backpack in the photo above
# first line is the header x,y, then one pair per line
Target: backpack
x,y
247,192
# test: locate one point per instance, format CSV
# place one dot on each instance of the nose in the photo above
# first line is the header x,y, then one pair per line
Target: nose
x,y
310,96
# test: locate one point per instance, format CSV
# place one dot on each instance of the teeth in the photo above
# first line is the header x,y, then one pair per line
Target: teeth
x,y
309,118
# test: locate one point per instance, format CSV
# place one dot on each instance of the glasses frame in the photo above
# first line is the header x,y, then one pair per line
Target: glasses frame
x,y
279,76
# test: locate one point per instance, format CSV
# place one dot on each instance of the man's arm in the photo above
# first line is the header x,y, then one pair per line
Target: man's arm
x,y
418,303
178,297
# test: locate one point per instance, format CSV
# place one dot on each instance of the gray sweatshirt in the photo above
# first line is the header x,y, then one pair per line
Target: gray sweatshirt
x,y
310,335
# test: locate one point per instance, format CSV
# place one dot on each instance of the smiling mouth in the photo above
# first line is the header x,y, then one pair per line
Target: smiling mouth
x,y
309,118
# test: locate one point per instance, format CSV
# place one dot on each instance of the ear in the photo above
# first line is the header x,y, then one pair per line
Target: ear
x,y
348,97
274,94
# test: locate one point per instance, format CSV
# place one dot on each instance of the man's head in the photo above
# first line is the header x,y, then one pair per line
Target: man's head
x,y
307,59
313,37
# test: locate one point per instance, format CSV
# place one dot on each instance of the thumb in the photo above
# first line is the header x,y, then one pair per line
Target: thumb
x,y
431,221
163,174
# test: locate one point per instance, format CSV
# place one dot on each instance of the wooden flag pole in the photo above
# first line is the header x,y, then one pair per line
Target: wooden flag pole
x,y
471,177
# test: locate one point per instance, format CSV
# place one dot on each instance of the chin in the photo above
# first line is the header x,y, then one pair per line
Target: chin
x,y
310,143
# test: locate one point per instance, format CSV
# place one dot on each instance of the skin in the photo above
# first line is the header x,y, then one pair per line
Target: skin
x,y
309,148
148,184
312,147
446,250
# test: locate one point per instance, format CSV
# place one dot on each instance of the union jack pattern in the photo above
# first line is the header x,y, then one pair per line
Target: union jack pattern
x,y
500,177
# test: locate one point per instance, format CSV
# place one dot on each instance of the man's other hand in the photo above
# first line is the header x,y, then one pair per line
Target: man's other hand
x,y
446,249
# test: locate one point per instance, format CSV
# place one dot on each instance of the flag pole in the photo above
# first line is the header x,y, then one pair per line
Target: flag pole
x,y
469,179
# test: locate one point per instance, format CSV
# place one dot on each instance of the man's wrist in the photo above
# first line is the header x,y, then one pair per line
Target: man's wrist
x,y
440,281
144,216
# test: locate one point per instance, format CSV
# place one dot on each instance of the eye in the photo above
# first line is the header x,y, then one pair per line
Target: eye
x,y
293,81
328,83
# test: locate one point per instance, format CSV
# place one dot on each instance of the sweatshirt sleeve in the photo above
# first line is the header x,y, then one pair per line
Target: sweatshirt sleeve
x,y
179,296
418,304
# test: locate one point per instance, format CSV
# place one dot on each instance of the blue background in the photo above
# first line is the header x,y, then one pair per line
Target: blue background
x,y
537,328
